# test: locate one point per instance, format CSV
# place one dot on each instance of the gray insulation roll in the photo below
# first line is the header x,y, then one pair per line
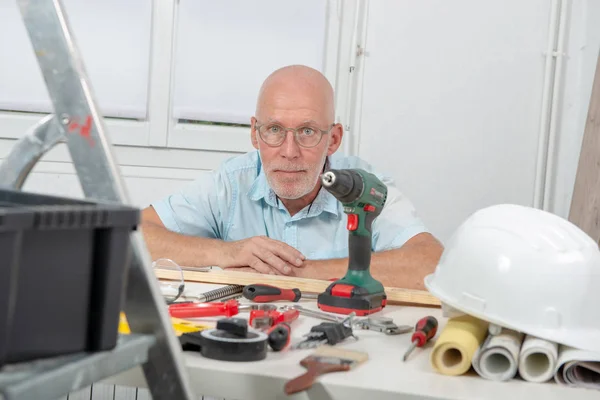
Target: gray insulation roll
x,y
497,358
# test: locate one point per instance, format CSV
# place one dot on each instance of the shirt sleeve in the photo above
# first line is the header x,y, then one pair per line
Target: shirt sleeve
x,y
398,221
200,208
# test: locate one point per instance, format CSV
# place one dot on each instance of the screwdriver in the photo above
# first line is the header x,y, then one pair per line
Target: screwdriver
x,y
424,331
260,293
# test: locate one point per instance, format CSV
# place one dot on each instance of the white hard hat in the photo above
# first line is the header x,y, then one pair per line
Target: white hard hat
x,y
523,269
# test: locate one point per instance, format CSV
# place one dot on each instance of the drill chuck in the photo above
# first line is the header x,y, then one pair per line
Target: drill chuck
x,y
345,185
328,179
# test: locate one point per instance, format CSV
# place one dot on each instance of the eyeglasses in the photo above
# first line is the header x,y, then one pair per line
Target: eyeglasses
x,y
306,136
173,287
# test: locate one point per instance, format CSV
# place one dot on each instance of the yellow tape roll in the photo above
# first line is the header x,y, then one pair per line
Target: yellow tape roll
x,y
454,349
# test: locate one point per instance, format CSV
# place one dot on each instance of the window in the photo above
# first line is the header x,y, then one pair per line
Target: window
x,y
114,38
225,49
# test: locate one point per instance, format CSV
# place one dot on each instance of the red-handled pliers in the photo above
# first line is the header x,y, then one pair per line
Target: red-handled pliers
x,y
228,308
264,319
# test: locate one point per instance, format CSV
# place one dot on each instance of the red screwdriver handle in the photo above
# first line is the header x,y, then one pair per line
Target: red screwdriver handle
x,y
425,329
197,310
260,293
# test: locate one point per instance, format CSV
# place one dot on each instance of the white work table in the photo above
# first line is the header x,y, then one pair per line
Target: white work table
x,y
384,376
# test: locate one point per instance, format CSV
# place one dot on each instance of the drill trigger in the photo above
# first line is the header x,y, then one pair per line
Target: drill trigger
x,y
352,222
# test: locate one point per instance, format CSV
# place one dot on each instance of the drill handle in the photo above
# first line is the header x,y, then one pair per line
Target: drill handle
x,y
359,244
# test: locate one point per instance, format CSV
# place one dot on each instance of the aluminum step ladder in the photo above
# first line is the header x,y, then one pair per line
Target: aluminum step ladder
x,y
77,122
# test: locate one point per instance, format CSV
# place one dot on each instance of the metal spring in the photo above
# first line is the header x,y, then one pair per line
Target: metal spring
x,y
220,293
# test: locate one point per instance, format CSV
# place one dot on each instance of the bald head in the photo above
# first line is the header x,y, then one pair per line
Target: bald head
x,y
296,87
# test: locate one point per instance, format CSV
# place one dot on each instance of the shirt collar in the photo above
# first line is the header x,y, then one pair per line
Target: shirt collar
x,y
260,189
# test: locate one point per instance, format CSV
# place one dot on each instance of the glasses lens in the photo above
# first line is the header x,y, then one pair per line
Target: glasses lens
x,y
171,280
272,134
309,136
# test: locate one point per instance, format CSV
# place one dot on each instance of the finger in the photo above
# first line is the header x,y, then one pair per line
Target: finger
x,y
286,253
261,267
273,261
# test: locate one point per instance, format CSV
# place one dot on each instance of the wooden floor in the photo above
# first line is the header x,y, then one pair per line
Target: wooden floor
x,y
102,391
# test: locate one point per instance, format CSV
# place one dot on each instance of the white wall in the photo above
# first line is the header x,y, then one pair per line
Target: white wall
x,y
582,50
452,101
446,96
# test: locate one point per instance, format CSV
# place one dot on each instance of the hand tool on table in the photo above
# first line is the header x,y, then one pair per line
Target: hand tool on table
x,y
379,324
425,329
227,309
223,293
327,333
279,336
313,313
231,340
382,324
277,324
363,196
260,293
324,360
180,326
262,319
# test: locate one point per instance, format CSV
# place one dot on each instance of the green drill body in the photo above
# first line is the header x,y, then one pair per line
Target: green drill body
x,y
363,197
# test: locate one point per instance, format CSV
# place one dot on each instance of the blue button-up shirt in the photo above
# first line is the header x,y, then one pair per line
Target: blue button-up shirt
x,y
235,202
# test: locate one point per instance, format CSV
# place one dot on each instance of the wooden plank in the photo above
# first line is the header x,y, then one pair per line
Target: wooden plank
x,y
585,203
395,295
103,391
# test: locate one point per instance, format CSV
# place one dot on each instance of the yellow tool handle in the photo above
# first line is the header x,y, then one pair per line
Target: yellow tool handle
x,y
180,326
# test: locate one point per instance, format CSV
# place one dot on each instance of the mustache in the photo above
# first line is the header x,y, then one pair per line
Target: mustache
x,y
288,168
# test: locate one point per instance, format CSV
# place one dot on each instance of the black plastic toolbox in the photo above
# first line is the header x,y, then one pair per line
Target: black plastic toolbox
x,y
63,271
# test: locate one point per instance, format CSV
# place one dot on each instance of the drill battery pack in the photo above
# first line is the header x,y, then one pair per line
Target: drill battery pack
x,y
343,298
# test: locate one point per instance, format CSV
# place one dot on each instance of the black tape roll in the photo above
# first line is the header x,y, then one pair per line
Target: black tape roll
x,y
224,346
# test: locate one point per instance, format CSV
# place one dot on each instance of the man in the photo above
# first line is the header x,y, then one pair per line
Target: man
x,y
265,211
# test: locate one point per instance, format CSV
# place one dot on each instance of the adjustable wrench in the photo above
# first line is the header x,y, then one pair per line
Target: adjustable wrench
x,y
380,324
315,314
383,324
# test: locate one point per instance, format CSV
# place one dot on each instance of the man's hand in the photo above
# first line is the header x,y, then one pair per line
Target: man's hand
x,y
404,267
265,255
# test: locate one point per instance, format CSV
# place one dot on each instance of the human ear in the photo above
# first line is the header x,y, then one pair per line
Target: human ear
x,y
335,140
253,136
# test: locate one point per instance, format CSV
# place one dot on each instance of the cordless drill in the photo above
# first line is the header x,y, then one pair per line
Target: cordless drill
x,y
363,196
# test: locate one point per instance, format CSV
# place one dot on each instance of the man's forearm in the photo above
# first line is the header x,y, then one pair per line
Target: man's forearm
x,y
184,250
405,267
